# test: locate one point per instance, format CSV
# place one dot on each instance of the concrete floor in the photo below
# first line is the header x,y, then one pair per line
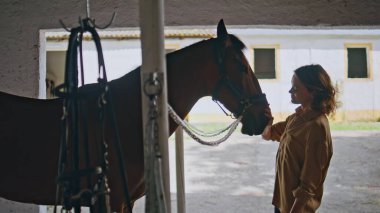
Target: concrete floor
x,y
237,176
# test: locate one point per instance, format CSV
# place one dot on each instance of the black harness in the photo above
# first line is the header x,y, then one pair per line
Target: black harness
x,y
68,182
224,81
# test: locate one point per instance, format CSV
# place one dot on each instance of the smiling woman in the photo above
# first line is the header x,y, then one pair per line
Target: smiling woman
x,y
305,149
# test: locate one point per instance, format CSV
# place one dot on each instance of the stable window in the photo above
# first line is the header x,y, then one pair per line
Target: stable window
x,y
358,61
264,63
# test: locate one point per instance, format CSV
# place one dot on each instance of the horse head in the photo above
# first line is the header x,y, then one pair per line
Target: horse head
x,y
237,87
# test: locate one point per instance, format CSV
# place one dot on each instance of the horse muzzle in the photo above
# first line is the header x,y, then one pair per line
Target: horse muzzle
x,y
253,124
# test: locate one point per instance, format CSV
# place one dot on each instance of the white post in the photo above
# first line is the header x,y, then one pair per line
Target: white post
x,y
181,204
153,60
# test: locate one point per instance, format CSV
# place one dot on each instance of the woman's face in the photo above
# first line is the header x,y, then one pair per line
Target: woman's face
x,y
299,93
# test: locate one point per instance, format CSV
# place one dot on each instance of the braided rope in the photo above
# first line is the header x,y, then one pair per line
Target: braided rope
x,y
194,133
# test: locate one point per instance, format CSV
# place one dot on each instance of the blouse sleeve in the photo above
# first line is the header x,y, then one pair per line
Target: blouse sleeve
x,y
318,153
278,129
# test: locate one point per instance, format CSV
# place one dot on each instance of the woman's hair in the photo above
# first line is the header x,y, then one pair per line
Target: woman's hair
x,y
318,83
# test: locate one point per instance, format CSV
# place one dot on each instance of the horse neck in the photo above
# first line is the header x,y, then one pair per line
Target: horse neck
x,y
191,71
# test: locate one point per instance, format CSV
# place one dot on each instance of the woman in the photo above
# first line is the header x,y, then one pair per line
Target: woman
x,y
305,148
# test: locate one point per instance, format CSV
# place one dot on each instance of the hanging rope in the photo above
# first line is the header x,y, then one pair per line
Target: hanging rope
x,y
155,199
195,133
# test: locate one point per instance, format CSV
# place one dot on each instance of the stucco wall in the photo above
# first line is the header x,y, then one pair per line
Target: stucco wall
x,y
359,98
20,22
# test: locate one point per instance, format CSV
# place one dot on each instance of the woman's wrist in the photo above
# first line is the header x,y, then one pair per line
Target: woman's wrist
x,y
266,135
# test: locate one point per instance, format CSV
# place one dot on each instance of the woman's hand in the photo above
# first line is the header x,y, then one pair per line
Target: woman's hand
x,y
266,135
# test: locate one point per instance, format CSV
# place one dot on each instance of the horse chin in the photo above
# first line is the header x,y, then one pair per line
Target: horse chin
x,y
247,129
252,127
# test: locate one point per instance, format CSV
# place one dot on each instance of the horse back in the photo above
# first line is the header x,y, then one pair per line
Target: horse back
x,y
29,141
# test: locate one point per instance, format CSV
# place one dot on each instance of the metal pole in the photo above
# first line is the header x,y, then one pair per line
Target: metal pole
x,y
153,60
181,201
87,8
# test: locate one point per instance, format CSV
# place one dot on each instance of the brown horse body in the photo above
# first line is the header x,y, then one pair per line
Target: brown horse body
x,y
30,128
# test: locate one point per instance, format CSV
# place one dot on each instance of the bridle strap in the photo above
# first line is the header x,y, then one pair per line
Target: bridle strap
x,y
216,91
224,81
69,90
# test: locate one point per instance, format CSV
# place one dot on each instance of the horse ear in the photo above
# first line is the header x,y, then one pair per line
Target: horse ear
x,y
222,31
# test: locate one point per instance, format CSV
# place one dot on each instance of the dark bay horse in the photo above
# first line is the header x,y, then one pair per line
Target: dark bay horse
x,y
30,128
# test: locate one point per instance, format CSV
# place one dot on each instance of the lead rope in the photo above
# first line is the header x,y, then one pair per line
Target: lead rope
x,y
199,131
152,89
194,133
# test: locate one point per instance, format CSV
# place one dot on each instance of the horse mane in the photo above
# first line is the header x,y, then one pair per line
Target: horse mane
x,y
236,42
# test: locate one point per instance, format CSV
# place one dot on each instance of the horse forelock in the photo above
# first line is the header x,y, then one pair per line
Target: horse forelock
x,y
236,42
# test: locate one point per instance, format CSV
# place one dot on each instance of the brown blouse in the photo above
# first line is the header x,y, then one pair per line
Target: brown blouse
x,y
303,158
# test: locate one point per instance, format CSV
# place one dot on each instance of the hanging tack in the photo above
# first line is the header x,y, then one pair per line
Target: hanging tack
x,y
87,8
88,20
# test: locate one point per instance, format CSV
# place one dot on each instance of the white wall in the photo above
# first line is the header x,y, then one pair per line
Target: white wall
x,y
300,47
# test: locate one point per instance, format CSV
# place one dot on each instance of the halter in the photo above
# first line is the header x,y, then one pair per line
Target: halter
x,y
224,81
244,103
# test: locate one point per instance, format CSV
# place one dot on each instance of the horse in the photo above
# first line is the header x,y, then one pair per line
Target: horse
x,y
30,128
